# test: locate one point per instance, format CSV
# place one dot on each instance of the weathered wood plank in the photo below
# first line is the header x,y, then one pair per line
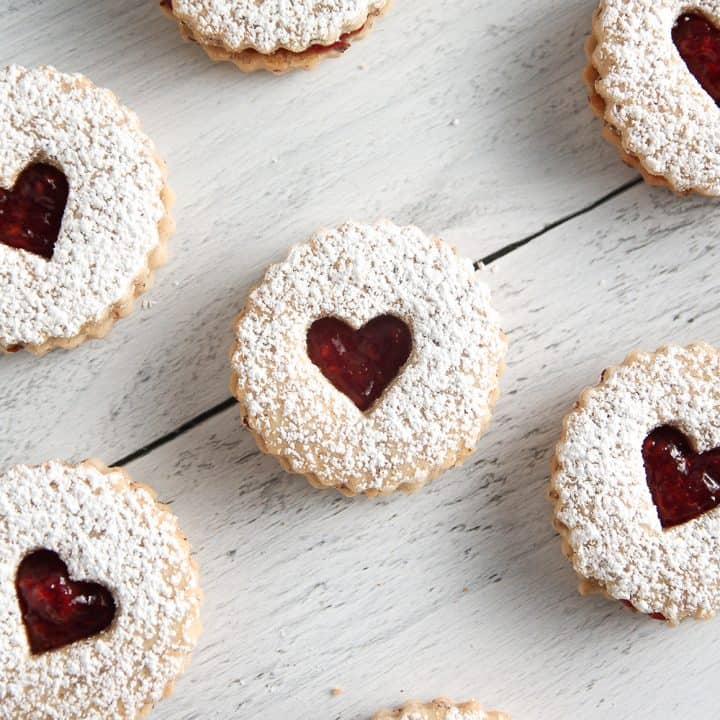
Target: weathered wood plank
x,y
259,162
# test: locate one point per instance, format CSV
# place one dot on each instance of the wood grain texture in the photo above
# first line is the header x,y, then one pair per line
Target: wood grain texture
x,y
460,589
260,162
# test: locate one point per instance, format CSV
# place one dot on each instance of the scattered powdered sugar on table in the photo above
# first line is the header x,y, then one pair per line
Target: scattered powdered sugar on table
x,y
113,210
267,25
437,407
652,100
109,532
603,498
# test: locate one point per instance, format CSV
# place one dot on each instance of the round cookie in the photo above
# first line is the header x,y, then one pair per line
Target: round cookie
x,y
274,35
84,210
369,359
636,483
650,80
99,596
440,709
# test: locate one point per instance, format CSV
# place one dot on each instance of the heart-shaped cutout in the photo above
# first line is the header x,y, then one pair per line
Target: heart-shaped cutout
x,y
31,212
684,484
698,42
360,363
56,610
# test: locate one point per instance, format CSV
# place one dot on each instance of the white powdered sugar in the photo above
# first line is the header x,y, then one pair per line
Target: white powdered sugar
x,y
452,714
111,220
456,714
268,25
603,499
662,113
440,710
113,533
433,413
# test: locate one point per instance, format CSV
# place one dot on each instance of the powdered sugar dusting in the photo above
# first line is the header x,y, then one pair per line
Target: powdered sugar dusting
x,y
108,532
267,25
111,219
604,501
436,409
455,714
440,710
652,100
452,714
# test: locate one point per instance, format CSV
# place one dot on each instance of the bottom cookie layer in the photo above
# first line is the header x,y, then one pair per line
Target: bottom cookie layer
x,y
282,60
441,709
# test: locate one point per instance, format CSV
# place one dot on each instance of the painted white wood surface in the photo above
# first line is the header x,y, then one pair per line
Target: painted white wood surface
x,y
347,142
460,589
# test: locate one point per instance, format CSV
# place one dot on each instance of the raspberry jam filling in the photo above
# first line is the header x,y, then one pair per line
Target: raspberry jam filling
x,y
698,42
56,610
654,616
684,484
360,363
31,213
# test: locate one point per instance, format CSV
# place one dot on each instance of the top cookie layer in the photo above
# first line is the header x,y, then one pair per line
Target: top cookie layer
x,y
109,531
659,109
268,25
600,484
115,205
434,411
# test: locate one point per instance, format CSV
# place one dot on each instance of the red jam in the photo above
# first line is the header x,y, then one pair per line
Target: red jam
x,y
698,42
31,213
342,44
360,363
654,616
683,483
58,611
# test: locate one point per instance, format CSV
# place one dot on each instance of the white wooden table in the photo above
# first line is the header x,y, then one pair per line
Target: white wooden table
x,y
468,118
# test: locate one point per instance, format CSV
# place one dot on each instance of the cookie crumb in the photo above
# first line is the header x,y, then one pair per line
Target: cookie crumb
x,y
337,691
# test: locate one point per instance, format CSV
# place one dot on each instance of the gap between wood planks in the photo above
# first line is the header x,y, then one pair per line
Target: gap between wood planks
x,y
487,260
557,223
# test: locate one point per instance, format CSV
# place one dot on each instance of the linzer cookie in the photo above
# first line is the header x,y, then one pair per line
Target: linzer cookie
x,y
274,35
653,79
84,210
636,483
99,597
369,359
441,709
